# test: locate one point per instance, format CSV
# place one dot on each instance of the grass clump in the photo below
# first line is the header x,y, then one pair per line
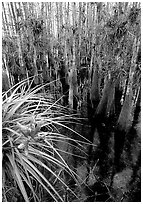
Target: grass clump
x,y
31,160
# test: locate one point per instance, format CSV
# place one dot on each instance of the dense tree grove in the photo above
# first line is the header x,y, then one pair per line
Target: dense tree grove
x,y
86,56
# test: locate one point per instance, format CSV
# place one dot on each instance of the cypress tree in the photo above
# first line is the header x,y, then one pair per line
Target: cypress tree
x,y
118,96
95,93
137,109
104,118
102,123
64,82
106,107
122,128
5,81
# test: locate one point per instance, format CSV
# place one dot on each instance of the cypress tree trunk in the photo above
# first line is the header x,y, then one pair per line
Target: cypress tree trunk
x,y
124,122
94,93
64,82
102,126
135,182
5,81
122,128
104,120
137,109
133,135
100,113
118,96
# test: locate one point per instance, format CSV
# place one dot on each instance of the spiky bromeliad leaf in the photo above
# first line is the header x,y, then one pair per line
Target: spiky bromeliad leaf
x,y
26,148
18,178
